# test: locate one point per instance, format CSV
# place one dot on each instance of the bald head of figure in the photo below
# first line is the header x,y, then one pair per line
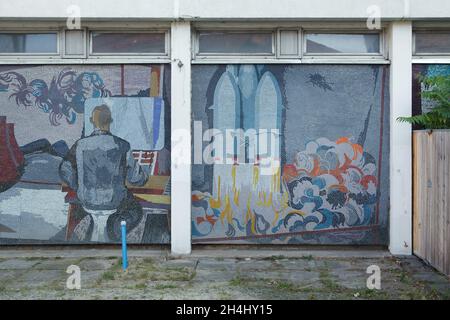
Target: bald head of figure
x,y
101,117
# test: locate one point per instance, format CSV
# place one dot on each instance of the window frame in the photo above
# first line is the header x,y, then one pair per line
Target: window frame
x,y
301,58
61,57
381,54
64,55
32,54
425,55
299,44
196,55
91,54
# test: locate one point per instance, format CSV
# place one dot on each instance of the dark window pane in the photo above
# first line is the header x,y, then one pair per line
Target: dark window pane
x,y
225,42
128,43
28,43
433,42
342,43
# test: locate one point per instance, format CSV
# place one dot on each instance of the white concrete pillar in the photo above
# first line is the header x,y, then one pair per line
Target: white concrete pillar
x,y
181,138
400,48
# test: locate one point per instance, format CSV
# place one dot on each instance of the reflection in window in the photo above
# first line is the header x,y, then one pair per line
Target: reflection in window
x,y
428,42
28,43
229,43
128,42
335,43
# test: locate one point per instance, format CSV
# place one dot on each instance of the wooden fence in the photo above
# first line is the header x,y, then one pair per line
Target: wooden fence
x,y
431,202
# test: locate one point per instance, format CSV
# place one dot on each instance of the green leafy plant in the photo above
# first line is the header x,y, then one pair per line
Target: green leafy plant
x,y
439,115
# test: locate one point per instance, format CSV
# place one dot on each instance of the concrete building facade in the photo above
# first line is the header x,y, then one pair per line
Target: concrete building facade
x,y
257,122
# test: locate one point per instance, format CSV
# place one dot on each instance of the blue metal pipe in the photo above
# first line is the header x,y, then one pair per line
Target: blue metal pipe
x,y
123,224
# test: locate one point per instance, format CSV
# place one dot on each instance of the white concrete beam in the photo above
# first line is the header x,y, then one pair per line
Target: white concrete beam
x,y
181,138
287,9
99,9
226,9
400,43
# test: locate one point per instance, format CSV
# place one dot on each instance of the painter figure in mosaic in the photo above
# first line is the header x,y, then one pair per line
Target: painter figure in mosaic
x,y
97,168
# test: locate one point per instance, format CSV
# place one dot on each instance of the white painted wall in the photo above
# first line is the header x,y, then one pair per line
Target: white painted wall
x,y
181,138
400,215
225,9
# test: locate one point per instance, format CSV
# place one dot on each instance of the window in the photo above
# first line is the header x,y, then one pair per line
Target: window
x,y
287,43
433,43
109,43
74,44
28,43
113,43
230,43
342,43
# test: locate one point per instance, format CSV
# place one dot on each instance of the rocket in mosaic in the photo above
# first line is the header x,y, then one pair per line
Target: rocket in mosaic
x,y
328,182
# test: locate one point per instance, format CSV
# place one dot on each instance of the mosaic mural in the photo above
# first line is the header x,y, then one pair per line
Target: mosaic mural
x,y
328,154
82,148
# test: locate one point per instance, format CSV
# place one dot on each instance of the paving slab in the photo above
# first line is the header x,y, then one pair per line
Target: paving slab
x,y
55,264
213,275
178,263
254,265
8,275
217,265
350,279
96,264
300,264
39,278
17,264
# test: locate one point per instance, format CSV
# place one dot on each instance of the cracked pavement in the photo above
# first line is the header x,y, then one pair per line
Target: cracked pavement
x,y
217,274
